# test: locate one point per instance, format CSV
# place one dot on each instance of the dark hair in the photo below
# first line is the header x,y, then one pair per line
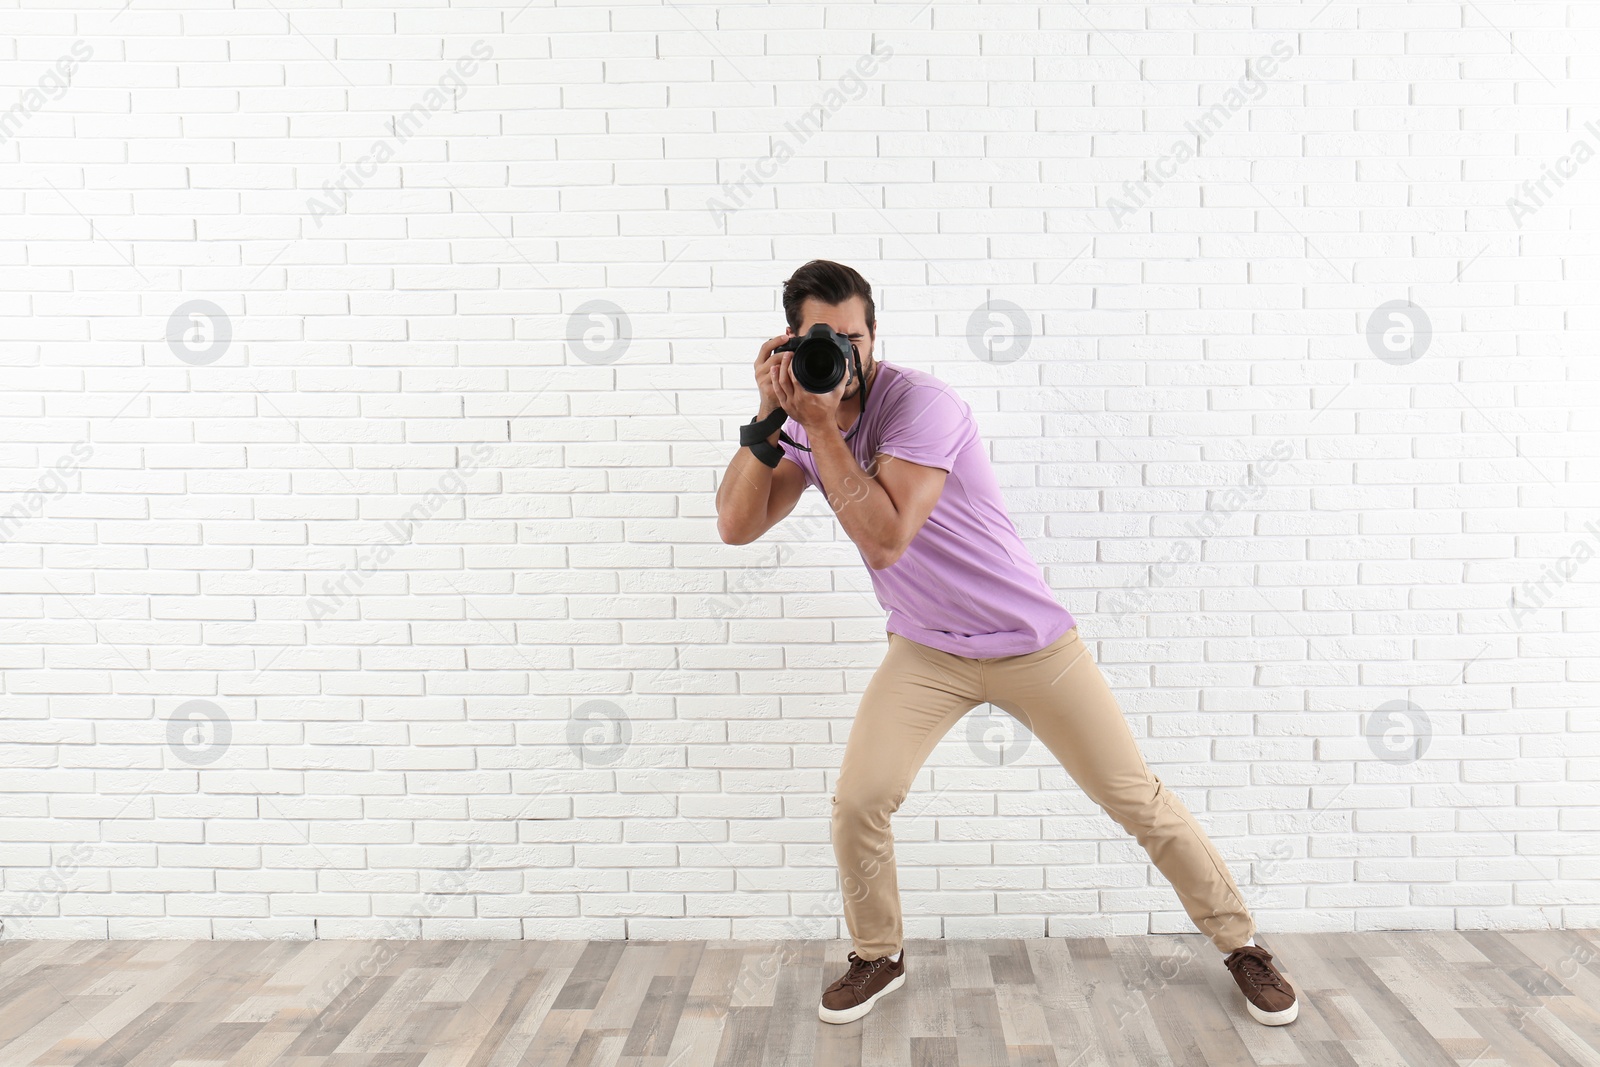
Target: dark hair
x,y
829,282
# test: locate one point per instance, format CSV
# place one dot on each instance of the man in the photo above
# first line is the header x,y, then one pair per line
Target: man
x,y
970,621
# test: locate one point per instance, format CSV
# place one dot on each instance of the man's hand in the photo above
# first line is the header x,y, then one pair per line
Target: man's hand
x,y
766,365
810,410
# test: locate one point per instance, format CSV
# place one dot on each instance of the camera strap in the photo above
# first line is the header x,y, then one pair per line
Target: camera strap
x,y
753,435
754,431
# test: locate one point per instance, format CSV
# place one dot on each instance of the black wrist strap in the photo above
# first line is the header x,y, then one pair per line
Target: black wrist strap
x,y
755,430
768,454
753,435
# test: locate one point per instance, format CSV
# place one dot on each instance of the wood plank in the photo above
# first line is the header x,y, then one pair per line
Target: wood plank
x,y
1484,999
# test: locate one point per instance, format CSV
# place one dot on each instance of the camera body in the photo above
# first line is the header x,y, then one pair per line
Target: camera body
x,y
821,357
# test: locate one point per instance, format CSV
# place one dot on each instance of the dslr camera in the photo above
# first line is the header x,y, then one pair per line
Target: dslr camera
x,y
821,358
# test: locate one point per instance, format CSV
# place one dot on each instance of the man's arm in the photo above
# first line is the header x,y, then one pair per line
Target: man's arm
x,y
753,497
881,512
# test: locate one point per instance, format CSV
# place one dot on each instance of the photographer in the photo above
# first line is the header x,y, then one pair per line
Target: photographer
x,y
970,621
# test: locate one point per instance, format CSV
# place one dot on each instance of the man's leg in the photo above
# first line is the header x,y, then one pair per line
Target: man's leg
x,y
915,696
1059,693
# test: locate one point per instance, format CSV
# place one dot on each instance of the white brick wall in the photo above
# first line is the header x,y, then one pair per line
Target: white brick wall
x,y
315,612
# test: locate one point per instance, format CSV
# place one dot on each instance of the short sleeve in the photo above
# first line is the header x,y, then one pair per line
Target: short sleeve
x,y
929,426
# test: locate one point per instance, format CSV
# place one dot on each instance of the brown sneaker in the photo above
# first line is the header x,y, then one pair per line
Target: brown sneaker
x,y
1267,994
853,995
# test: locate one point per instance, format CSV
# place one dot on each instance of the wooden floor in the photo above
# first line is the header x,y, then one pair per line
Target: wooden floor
x,y
1407,1000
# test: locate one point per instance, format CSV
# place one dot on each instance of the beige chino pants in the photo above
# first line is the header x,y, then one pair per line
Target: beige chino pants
x,y
918,693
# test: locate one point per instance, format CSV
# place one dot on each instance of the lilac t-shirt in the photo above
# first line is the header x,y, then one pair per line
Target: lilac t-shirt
x,y
966,584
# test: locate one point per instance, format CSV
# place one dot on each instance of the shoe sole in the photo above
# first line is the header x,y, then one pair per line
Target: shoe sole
x,y
1275,1018
850,1015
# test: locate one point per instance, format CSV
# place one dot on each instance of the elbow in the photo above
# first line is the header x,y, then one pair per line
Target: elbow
x,y
885,556
728,526
888,552
731,535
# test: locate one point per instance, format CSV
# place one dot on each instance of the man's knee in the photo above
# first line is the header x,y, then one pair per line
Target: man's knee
x,y
1136,806
862,836
865,804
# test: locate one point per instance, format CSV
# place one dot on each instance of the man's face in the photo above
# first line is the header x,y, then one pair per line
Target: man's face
x,y
848,318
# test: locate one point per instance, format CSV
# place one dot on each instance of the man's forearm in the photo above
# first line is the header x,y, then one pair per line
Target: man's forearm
x,y
746,488
865,510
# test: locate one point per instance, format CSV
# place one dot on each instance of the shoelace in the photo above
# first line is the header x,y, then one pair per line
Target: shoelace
x,y
1257,970
861,970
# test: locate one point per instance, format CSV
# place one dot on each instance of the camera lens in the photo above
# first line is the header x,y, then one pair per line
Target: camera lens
x,y
821,359
817,366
